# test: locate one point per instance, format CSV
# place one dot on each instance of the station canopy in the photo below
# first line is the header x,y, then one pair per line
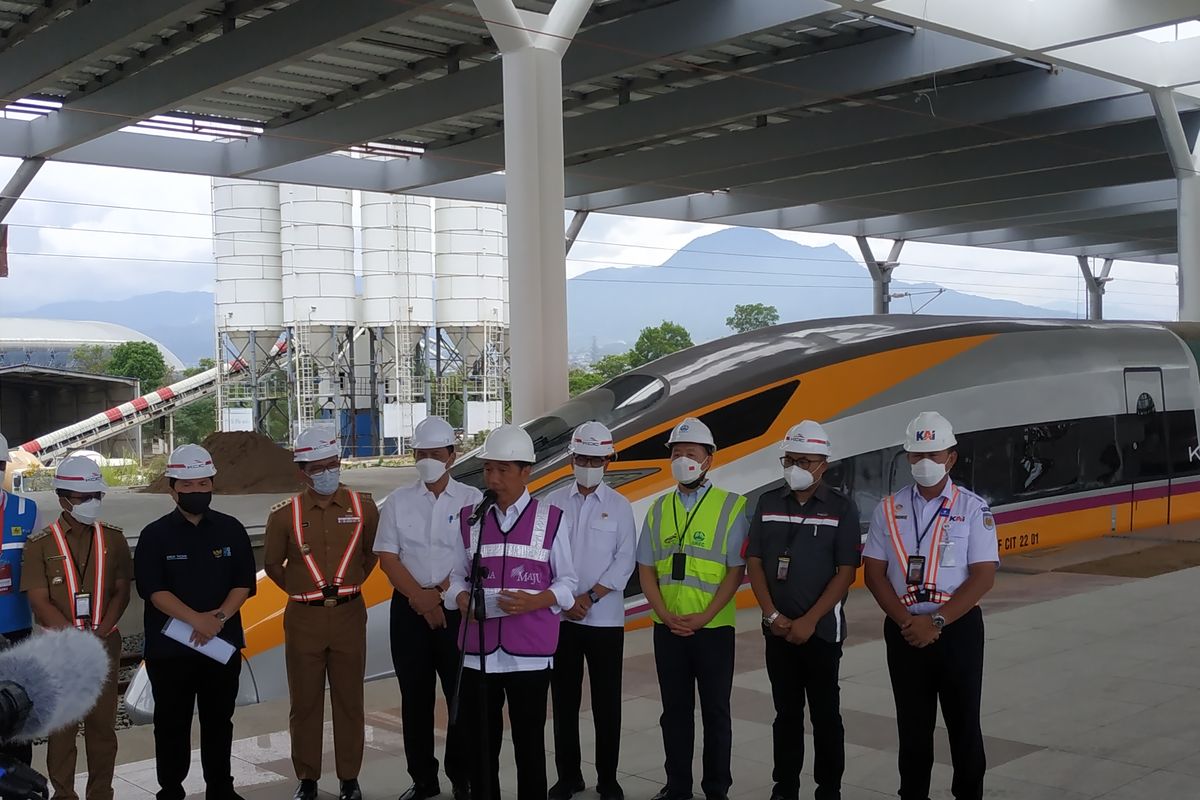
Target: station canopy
x,y
1026,124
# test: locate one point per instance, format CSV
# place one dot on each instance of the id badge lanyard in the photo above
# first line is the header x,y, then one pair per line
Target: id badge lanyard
x,y
679,558
784,563
915,575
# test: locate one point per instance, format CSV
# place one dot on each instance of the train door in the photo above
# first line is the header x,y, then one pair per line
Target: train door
x,y
1145,455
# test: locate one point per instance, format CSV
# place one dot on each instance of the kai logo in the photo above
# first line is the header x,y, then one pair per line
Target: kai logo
x,y
926,436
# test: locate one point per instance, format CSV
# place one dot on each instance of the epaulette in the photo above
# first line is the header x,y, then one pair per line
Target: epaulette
x,y
42,534
112,527
280,505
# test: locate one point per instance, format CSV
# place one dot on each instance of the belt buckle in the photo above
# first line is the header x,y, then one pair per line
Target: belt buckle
x,y
330,602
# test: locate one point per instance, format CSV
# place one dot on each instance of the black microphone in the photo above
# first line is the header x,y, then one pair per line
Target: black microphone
x,y
489,500
20,781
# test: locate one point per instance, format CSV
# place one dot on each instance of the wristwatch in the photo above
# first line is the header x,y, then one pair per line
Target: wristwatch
x,y
769,620
939,621
220,615
595,598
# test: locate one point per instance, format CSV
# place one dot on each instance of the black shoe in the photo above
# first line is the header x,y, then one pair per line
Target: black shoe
x,y
666,793
462,791
778,794
307,790
350,790
722,796
565,789
610,790
419,792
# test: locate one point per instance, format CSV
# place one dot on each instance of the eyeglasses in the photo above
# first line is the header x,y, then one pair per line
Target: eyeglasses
x,y
804,463
590,461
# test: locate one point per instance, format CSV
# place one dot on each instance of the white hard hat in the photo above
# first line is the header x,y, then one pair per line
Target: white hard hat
x,y
806,438
79,474
592,439
316,443
189,462
929,432
432,432
508,443
694,431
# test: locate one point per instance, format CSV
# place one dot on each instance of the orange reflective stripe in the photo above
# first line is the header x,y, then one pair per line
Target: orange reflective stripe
x,y
939,529
74,579
305,552
889,516
352,546
313,568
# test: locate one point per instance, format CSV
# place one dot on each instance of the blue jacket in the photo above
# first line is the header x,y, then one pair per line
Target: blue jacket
x,y
20,515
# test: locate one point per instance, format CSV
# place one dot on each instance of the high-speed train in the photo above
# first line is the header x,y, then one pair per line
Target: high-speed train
x,y
1070,429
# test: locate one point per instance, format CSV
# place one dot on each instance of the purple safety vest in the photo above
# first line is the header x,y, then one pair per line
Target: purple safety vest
x,y
518,560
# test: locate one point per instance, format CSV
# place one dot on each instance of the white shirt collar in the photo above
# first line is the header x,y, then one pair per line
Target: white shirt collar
x,y
947,492
516,509
574,492
452,488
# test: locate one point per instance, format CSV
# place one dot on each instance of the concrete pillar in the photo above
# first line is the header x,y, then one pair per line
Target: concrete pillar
x,y
1095,286
881,273
532,46
1189,247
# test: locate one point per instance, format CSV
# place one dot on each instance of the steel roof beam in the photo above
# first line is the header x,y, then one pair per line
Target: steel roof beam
x,y
603,50
1133,226
306,27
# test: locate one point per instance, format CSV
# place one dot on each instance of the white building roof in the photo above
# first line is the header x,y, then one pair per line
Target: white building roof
x,y
19,332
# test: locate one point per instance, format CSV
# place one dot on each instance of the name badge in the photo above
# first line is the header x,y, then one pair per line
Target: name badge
x,y
83,606
348,520
781,568
949,554
916,570
678,566
6,579
56,580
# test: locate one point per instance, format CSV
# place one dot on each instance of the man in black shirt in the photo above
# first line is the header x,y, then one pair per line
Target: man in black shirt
x,y
194,565
801,554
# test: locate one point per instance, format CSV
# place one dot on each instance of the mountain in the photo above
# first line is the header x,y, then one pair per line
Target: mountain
x,y
181,321
700,284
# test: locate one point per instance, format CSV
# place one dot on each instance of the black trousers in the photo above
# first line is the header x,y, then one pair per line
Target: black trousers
x,y
799,672
179,685
603,650
526,695
950,671
21,751
421,657
703,660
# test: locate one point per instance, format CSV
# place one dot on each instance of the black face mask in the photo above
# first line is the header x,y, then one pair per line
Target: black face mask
x,y
195,502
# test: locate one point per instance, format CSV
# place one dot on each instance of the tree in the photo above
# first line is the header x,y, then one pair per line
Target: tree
x,y
580,380
610,367
204,365
752,316
195,421
91,358
657,342
141,360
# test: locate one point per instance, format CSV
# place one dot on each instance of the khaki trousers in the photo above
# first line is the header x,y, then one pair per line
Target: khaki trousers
x,y
99,740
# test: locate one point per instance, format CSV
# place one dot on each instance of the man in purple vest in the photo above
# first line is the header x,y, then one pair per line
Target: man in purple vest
x,y
530,579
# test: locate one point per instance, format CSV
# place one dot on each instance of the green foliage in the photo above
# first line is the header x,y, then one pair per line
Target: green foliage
x,y
141,360
204,366
90,358
656,342
195,421
610,367
752,316
580,380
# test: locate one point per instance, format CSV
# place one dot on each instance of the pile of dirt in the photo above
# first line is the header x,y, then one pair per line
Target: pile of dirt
x,y
247,463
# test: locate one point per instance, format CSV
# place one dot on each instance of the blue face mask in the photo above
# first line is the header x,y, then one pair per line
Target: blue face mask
x,y
326,483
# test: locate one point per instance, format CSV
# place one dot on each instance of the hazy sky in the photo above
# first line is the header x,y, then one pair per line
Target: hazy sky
x,y
101,233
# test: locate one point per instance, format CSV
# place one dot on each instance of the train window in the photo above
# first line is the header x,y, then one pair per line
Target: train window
x,y
1046,459
991,465
869,481
1099,456
1144,452
1185,445
731,424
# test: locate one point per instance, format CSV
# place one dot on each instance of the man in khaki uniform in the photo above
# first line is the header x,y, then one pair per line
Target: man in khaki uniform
x,y
77,572
320,550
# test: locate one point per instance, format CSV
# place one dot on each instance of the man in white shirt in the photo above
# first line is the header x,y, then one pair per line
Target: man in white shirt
x,y
603,543
528,580
418,544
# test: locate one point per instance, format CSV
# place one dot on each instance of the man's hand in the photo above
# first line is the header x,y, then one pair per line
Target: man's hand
x,y
425,601
204,628
920,631
461,602
677,625
435,618
801,630
583,604
781,626
514,602
694,622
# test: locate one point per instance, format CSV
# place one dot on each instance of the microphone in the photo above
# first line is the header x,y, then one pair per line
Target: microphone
x,y
49,681
489,500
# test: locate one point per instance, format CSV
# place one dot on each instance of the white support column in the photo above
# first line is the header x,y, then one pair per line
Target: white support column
x,y
1186,164
575,226
881,272
532,46
18,183
1095,285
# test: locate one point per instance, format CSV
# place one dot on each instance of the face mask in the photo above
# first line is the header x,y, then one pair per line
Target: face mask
x,y
195,502
326,483
430,470
86,512
686,471
928,472
798,478
587,477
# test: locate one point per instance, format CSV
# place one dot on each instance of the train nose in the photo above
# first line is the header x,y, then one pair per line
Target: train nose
x,y
139,697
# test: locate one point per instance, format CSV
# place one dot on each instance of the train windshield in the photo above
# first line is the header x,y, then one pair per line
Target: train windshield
x,y
611,403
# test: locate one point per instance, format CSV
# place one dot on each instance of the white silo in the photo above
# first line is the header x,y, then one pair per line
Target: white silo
x,y
472,309
397,307
319,301
248,301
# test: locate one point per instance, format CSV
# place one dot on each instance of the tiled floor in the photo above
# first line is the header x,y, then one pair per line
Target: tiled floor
x,y
1092,690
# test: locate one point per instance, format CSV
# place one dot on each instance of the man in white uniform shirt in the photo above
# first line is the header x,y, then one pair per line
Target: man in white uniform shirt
x,y
931,556
603,543
418,544
529,578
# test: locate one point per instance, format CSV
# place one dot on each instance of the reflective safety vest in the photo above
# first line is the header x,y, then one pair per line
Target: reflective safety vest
x,y
325,590
705,538
932,556
18,515
75,580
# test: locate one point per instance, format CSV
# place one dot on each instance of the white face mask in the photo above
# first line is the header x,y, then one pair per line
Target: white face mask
x,y
587,477
326,483
798,478
86,512
685,470
430,470
928,472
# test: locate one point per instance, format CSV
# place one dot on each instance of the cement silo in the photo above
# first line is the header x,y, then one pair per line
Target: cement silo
x,y
472,311
397,310
320,301
249,303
